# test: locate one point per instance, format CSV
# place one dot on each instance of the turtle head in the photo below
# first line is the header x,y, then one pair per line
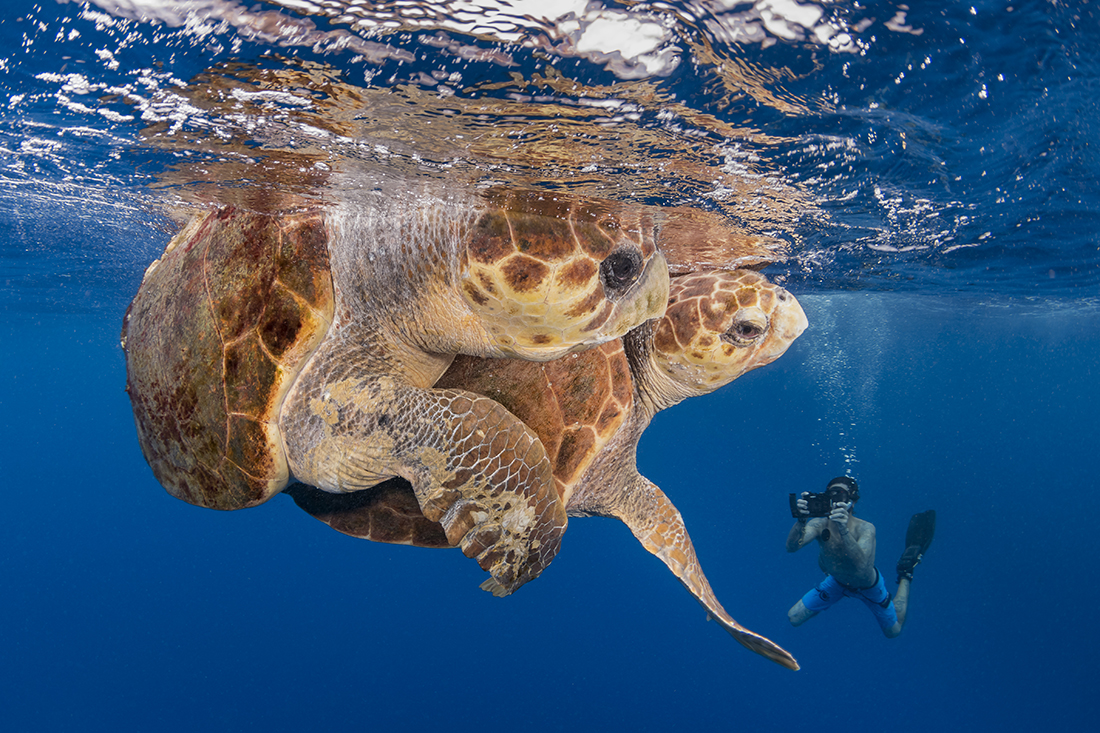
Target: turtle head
x,y
720,325
548,278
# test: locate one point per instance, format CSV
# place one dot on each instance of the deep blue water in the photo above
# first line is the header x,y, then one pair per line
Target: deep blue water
x,y
951,285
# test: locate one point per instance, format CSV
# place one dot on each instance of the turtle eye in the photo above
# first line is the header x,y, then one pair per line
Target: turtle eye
x,y
745,331
620,269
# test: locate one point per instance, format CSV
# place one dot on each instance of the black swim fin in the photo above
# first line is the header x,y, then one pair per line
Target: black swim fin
x,y
917,539
921,528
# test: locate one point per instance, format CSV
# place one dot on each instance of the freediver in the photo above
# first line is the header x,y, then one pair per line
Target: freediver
x,y
848,555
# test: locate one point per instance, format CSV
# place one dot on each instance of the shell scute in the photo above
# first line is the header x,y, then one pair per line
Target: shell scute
x,y
388,512
575,452
280,323
247,446
610,418
250,374
575,405
618,367
302,262
239,271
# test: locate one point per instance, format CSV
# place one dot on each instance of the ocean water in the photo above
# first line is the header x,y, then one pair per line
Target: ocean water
x,y
928,177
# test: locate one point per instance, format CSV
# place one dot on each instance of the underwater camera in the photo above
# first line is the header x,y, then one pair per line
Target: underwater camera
x,y
820,505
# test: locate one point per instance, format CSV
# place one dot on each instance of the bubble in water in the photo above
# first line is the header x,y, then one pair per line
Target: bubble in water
x,y
846,349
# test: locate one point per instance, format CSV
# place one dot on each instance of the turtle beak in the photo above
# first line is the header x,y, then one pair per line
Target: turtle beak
x,y
788,322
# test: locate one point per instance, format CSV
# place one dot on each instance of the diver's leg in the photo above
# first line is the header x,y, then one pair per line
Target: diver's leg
x,y
901,607
823,595
799,614
918,537
889,612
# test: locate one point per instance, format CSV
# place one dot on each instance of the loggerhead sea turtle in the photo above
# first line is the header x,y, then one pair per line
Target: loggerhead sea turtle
x,y
590,410
262,347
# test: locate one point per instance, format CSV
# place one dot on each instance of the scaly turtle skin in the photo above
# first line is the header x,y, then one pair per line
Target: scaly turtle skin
x,y
263,347
590,410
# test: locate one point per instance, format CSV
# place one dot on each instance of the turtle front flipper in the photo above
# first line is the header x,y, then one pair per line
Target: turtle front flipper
x,y
474,467
659,527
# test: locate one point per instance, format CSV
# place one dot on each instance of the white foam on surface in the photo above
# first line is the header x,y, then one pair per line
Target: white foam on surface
x,y
631,43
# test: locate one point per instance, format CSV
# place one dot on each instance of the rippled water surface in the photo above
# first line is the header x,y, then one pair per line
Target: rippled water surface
x,y
923,177
936,149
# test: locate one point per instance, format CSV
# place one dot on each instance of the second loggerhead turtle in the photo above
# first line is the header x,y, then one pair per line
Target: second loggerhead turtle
x,y
590,409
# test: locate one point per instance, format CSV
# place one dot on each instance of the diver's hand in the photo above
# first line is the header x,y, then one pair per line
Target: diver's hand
x,y
839,515
803,507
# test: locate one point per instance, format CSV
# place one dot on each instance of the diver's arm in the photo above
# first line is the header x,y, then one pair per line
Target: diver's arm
x,y
802,533
795,536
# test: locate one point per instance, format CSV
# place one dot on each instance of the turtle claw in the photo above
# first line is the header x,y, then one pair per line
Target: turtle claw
x,y
502,566
484,543
479,544
459,519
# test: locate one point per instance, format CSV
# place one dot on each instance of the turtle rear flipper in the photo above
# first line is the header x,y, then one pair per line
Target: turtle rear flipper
x,y
918,537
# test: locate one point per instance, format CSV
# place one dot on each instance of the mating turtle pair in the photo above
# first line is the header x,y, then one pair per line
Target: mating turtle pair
x,y
264,347
590,409
260,347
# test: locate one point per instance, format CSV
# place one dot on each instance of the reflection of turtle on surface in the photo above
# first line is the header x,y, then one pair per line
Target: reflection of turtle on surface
x,y
590,410
260,347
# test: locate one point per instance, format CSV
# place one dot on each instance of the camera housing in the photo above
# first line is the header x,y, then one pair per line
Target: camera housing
x,y
819,505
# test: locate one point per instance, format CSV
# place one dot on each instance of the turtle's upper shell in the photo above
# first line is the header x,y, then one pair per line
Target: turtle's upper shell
x,y
215,337
574,404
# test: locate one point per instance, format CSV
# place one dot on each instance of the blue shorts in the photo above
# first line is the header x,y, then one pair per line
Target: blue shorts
x,y
829,592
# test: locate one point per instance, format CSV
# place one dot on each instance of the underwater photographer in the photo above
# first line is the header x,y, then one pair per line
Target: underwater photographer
x,y
848,555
